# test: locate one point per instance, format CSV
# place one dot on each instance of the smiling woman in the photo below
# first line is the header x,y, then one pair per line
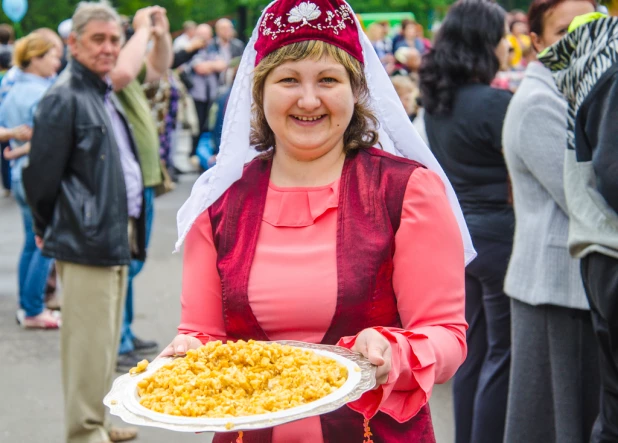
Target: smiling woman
x,y
335,73
326,238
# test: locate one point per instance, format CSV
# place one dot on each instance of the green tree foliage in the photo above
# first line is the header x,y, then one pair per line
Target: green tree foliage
x,y
44,13
49,13
177,10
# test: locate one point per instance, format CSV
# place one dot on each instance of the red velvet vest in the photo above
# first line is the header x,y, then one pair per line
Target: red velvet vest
x,y
371,192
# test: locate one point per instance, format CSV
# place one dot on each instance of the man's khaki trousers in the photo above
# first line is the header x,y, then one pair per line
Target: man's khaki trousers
x,y
92,308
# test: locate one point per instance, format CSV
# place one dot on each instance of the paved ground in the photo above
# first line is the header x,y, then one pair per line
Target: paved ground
x,y
30,390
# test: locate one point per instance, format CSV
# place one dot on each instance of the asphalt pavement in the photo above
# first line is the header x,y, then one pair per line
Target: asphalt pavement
x,y
30,384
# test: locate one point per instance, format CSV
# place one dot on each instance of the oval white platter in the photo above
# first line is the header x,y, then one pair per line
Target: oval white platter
x,y
123,400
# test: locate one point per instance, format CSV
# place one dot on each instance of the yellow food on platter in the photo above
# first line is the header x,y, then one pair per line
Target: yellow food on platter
x,y
240,379
141,367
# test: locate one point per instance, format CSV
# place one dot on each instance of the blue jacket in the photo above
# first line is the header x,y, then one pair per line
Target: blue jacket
x,y
18,108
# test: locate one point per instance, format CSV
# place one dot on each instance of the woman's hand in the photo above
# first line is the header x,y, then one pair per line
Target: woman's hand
x,y
22,133
20,151
377,350
180,345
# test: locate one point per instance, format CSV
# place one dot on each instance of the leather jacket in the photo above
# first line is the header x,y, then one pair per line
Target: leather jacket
x,y
74,182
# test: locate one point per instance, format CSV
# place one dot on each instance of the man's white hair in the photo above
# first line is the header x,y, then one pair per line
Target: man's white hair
x,y
89,11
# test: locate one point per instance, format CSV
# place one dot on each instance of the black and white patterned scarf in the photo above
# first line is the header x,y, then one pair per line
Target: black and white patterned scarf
x,y
579,59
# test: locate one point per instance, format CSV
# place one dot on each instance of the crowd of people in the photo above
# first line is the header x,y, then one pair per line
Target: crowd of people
x,y
401,49
489,140
162,90
153,90
530,170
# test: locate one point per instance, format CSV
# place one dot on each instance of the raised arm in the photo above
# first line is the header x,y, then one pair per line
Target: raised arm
x,y
161,57
150,21
132,55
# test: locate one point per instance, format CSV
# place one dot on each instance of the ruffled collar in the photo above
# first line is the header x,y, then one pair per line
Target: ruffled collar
x,y
299,207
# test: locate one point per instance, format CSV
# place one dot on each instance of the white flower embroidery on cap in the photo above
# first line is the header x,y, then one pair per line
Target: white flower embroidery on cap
x,y
334,21
304,12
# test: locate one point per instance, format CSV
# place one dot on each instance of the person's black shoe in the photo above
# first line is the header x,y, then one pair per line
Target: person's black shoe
x,y
144,346
127,361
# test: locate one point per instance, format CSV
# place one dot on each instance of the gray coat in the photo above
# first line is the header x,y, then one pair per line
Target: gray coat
x,y
541,270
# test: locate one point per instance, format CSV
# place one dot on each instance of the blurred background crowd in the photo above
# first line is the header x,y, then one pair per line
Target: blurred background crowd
x,y
189,102
174,85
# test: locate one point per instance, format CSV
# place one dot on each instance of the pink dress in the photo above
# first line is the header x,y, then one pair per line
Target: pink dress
x,y
293,290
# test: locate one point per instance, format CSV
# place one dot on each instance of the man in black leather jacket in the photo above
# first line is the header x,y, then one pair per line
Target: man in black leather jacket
x,y
85,188
74,181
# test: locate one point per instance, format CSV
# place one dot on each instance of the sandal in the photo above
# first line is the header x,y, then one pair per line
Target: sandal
x,y
122,434
45,320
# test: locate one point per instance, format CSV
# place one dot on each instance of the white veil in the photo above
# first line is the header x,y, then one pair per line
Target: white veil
x,y
397,136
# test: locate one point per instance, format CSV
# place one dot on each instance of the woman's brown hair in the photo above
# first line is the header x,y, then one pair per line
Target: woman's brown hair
x,y
31,46
537,10
362,130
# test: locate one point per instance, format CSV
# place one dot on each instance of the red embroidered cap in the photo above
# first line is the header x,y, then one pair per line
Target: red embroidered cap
x,y
292,21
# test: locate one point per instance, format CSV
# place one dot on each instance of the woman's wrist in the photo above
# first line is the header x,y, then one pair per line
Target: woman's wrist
x,y
6,134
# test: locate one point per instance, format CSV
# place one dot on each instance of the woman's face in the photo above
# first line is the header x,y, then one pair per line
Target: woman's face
x,y
556,22
47,65
502,52
409,32
308,104
519,28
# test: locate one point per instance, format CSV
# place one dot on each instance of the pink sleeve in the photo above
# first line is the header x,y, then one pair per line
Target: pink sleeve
x,y
428,280
202,310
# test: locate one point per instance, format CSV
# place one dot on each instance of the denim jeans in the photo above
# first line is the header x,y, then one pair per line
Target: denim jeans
x,y
126,334
6,169
33,267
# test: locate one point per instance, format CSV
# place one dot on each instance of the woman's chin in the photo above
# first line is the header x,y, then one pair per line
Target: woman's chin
x,y
309,152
